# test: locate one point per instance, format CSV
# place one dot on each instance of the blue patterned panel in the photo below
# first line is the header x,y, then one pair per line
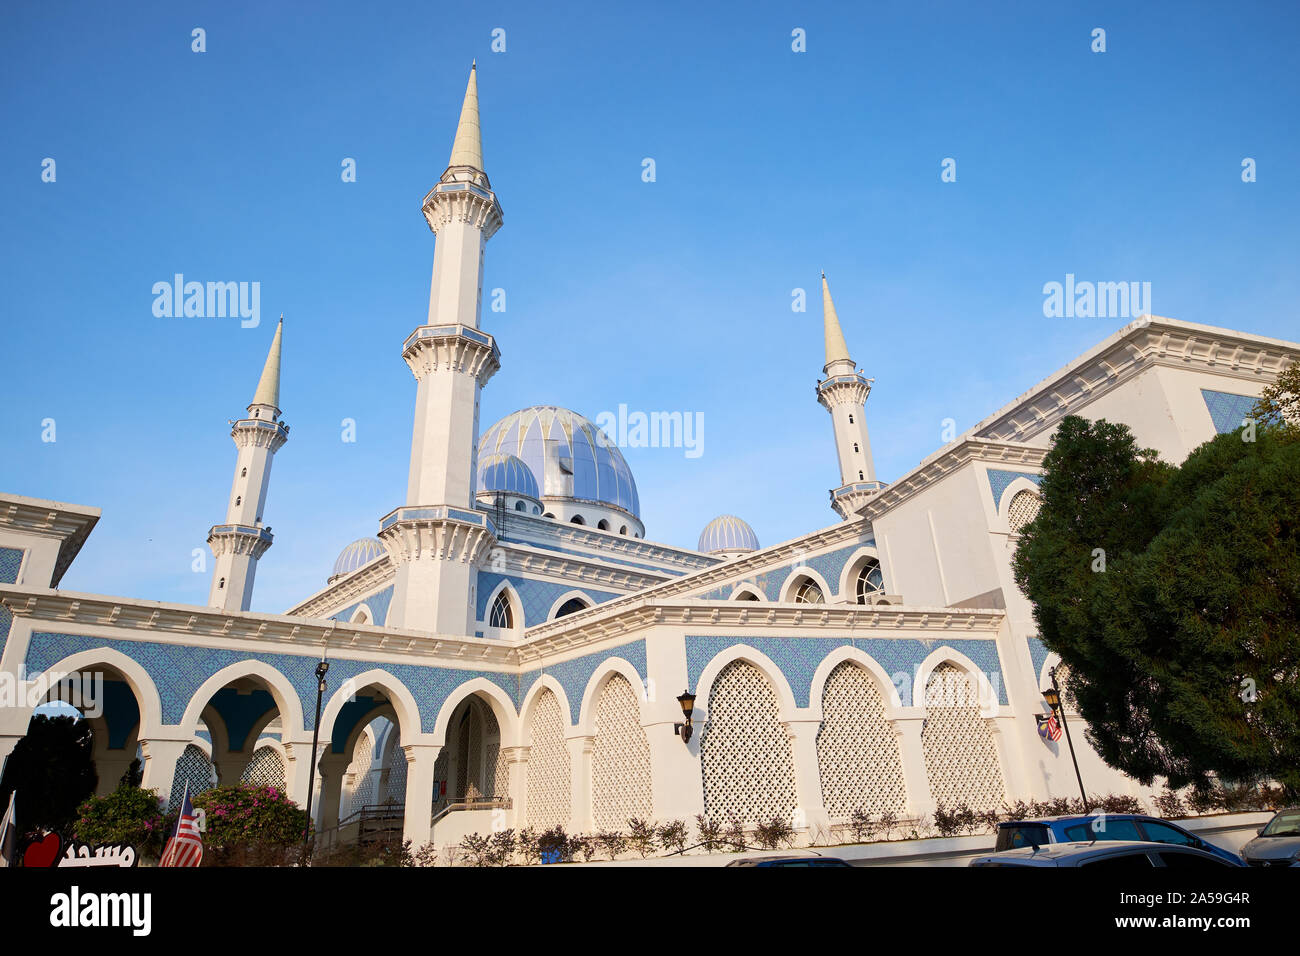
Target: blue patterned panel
x,y
536,596
6,622
829,565
1000,480
574,675
798,658
11,560
179,670
1038,654
378,603
1228,411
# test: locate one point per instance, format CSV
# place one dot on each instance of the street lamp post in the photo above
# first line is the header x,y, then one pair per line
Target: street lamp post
x,y
321,669
1053,697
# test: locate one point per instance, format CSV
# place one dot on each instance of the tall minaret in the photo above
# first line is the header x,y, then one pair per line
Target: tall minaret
x,y
243,539
843,393
436,538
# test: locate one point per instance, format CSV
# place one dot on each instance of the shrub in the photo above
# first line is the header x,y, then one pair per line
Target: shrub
x,y
477,848
555,846
1169,804
861,826
774,833
888,821
257,826
127,815
947,822
642,836
1118,803
526,843
672,835
503,848
735,838
612,842
712,838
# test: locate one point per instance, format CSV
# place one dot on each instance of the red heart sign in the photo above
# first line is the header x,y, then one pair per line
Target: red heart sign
x,y
44,853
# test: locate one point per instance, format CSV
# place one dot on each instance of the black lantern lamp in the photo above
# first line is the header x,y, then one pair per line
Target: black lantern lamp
x,y
687,700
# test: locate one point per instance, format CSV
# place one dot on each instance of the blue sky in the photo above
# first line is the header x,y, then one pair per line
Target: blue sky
x,y
672,295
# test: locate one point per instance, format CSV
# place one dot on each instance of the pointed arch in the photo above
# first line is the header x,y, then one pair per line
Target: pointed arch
x,y
565,598
987,694
497,700
281,688
405,707
737,652
516,605
608,668
884,683
746,592
134,673
849,574
543,682
796,576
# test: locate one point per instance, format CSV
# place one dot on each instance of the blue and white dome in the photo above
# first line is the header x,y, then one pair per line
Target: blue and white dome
x,y
508,474
727,533
358,554
569,455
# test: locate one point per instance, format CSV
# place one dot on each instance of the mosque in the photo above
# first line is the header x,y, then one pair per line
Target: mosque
x,y
513,648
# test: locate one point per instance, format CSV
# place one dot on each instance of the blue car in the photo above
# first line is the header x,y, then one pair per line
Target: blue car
x,y
1097,827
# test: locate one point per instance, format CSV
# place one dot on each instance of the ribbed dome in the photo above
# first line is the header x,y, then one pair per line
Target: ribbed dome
x,y
559,446
506,473
727,533
359,553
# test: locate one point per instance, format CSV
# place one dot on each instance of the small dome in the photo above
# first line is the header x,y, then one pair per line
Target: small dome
x,y
727,533
360,552
501,472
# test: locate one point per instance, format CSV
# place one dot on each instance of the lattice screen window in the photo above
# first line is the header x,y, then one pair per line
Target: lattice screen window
x,y
620,768
745,753
857,751
195,768
1068,703
548,765
1022,510
395,778
496,770
266,769
961,758
363,787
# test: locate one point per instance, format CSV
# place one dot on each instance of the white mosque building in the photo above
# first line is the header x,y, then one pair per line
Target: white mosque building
x,y
511,645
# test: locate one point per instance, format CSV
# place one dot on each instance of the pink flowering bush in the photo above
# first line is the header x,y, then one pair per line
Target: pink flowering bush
x,y
250,826
127,815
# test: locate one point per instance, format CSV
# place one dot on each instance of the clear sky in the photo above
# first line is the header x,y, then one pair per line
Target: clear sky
x,y
673,295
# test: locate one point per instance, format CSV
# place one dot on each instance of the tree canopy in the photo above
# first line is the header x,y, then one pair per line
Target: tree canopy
x,y
1172,594
53,770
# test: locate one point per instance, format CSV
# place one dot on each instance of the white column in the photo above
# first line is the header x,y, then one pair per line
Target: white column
x,y
418,824
160,759
517,758
908,730
332,769
582,818
807,775
298,768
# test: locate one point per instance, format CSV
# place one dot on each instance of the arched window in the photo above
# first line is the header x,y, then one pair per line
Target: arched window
x,y
548,515
623,530
602,524
572,606
243,473
1022,510
855,447
861,476
221,584
238,500
808,592
870,581
520,506
746,596
850,418
577,519
502,614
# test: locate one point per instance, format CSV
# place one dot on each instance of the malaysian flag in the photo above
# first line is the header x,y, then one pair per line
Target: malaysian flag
x,y
185,848
1048,727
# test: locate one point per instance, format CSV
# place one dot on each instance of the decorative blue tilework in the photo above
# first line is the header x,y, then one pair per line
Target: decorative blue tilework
x,y
829,565
1227,410
798,658
378,604
574,675
1038,654
179,670
11,560
536,596
6,622
596,553
999,480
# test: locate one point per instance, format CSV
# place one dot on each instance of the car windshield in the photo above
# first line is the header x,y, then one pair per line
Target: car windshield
x,y
1102,828
1284,824
1016,835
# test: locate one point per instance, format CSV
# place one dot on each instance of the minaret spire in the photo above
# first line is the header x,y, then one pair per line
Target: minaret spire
x,y
268,386
467,148
843,392
242,539
837,350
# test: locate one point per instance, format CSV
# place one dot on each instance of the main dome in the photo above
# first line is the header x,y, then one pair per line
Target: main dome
x,y
569,455
358,554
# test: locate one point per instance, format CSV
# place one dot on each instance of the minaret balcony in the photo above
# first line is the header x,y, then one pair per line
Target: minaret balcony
x,y
259,432
439,532
848,500
844,390
239,539
463,195
456,348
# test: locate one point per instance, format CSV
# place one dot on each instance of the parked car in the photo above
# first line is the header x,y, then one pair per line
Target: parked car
x,y
1109,855
790,861
1278,843
1097,827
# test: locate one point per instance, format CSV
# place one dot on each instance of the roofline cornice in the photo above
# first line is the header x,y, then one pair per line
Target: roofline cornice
x,y
70,524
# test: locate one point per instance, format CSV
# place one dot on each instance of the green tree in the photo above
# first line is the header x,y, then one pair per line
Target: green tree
x,y
53,770
1172,594
127,815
